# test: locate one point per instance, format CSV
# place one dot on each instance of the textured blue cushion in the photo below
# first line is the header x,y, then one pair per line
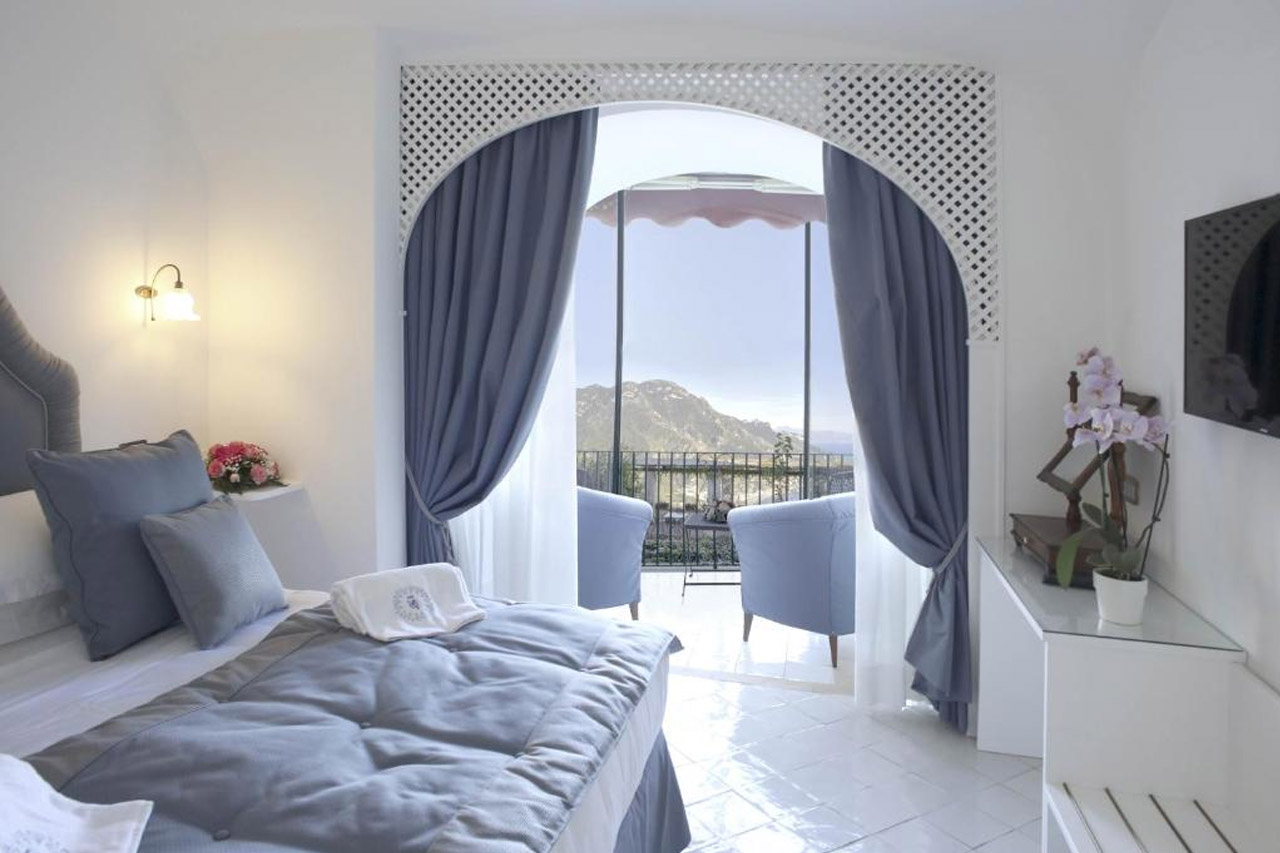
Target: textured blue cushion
x,y
93,503
214,567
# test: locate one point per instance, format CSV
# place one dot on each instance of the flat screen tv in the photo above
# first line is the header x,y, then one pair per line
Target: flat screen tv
x,y
1233,316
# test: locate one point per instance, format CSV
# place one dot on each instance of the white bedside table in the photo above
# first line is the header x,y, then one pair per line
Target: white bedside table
x,y
285,523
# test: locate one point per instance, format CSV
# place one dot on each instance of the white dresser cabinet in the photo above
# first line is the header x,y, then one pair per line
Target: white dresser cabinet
x,y
1134,724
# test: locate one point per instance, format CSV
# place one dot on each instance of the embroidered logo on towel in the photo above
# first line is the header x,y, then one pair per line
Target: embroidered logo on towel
x,y
414,605
30,841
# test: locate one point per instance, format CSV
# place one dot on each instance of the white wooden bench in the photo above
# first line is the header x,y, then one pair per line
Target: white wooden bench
x,y
1099,820
1241,816
1155,739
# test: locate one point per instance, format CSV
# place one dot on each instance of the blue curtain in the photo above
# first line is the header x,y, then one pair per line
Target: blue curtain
x,y
487,275
903,328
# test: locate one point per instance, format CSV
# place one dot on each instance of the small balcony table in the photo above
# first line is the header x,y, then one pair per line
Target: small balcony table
x,y
697,522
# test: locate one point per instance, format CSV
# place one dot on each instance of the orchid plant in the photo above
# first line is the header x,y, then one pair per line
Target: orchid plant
x,y
1101,417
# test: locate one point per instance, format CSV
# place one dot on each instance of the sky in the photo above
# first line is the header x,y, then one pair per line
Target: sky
x,y
717,310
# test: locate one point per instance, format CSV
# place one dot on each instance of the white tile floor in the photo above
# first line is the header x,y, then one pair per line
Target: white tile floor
x,y
708,621
773,756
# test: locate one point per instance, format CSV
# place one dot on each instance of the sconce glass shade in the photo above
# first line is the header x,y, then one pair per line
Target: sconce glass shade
x,y
179,305
175,304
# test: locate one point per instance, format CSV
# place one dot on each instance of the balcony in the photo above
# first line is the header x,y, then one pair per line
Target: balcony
x,y
680,486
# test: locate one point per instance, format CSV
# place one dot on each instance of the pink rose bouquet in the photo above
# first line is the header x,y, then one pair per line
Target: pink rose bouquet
x,y
238,466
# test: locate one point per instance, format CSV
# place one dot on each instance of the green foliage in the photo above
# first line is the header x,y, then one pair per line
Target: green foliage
x,y
1110,554
698,550
1111,533
783,448
1123,558
1115,560
631,477
1067,554
1115,554
1119,563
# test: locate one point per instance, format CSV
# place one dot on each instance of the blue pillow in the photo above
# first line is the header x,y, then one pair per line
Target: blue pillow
x,y
216,571
93,503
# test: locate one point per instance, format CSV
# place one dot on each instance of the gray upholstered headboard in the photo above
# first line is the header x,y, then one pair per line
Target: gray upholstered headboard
x,y
39,400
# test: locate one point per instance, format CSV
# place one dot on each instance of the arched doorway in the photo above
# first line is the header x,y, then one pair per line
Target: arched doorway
x,y
635,143
930,129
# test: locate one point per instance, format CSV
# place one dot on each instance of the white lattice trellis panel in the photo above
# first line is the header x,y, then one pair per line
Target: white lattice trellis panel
x,y
931,129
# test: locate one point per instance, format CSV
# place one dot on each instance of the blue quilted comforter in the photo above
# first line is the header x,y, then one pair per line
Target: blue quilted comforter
x,y
319,739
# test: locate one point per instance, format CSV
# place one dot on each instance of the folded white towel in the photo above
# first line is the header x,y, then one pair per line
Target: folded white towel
x,y
33,816
418,601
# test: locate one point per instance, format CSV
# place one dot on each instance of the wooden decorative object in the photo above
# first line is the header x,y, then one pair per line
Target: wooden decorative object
x,y
1072,488
1042,535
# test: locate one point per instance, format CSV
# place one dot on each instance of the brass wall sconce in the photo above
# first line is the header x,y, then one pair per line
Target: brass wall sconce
x,y
178,303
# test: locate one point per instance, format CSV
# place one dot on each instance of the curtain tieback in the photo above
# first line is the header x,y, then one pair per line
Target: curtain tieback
x,y
417,498
961,538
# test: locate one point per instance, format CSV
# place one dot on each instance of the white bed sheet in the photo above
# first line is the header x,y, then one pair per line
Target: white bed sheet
x,y
50,690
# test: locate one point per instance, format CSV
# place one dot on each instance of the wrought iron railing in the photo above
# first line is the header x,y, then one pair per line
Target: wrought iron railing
x,y
680,486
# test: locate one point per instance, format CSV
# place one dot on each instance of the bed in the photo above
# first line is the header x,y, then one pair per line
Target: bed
x,y
535,729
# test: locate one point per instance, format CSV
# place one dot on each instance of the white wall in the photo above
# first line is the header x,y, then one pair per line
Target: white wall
x,y
286,124
1204,134
1059,222
388,325
263,162
100,184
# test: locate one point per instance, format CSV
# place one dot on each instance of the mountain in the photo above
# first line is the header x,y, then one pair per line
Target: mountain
x,y
826,440
661,415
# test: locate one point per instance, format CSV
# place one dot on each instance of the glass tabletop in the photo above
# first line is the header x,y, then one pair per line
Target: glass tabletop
x,y
1056,610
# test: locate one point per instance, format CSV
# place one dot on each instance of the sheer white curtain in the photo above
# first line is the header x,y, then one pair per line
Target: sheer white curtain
x,y
521,542
891,590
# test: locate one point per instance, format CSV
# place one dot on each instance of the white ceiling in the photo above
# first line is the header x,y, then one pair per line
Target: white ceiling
x,y
1000,35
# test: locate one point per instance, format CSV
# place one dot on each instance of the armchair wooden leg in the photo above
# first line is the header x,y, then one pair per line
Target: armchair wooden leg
x,y
746,626
635,611
835,649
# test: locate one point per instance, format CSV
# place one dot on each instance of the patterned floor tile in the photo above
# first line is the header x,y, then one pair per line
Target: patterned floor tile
x,y
920,836
775,796
1007,805
1014,842
771,838
825,828
771,765
968,824
727,814
1029,784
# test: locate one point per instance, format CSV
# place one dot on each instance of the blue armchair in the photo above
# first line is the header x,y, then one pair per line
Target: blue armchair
x,y
798,563
611,531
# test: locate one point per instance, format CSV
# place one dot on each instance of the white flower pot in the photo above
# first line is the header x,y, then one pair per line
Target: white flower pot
x,y
1120,602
